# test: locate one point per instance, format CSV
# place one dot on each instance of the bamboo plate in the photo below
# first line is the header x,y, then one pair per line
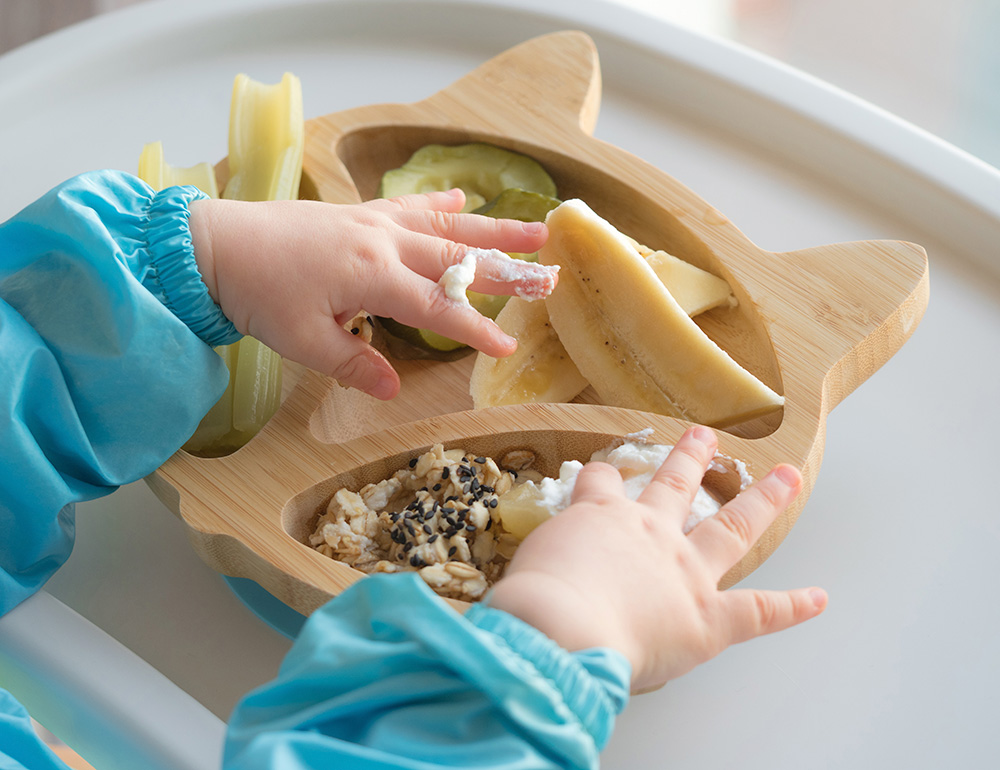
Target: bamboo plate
x,y
812,324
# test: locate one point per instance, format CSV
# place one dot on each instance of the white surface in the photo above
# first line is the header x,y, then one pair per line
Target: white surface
x,y
899,672
97,694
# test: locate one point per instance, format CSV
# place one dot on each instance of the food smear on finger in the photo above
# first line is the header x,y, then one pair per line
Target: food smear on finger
x,y
531,280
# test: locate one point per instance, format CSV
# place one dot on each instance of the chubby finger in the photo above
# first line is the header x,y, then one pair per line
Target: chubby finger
x,y
421,303
753,613
727,536
348,359
476,230
597,481
450,201
681,473
492,271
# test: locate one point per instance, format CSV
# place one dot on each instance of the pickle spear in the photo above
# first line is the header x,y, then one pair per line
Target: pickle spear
x,y
266,142
157,173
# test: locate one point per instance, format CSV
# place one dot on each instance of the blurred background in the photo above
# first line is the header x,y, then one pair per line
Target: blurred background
x,y
934,63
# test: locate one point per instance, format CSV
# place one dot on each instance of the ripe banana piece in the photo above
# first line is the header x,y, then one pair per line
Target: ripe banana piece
x,y
541,371
630,338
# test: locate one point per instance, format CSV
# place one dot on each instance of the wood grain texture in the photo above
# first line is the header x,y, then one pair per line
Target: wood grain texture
x,y
813,324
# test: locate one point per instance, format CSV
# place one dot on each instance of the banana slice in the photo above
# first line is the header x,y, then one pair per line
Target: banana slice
x,y
541,371
630,338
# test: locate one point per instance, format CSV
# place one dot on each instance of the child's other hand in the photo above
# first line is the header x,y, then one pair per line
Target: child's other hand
x,y
291,273
609,572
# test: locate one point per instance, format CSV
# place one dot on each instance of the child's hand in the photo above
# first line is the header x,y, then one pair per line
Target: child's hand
x,y
609,572
291,273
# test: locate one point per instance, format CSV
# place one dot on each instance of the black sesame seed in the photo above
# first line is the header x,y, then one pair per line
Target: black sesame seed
x,y
493,503
407,547
445,471
470,527
489,523
413,463
355,330
480,460
432,538
411,530
453,550
436,487
448,510
487,488
427,529
414,561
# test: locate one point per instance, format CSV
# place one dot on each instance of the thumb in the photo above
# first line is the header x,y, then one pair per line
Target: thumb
x,y
348,359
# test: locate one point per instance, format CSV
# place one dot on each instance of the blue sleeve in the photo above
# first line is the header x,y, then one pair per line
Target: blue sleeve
x,y
104,366
387,675
20,748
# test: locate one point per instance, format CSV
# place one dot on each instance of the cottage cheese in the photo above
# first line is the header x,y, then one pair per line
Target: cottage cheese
x,y
531,280
637,462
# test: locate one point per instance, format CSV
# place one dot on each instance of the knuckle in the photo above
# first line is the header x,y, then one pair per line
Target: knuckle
x,y
738,527
440,223
765,611
770,496
439,305
353,368
453,252
673,480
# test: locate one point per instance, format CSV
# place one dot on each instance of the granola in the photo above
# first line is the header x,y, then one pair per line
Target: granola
x,y
438,516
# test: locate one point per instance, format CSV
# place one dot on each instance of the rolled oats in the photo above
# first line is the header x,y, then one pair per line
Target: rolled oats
x,y
438,517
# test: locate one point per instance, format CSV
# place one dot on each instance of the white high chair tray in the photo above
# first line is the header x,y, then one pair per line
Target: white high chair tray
x,y
899,671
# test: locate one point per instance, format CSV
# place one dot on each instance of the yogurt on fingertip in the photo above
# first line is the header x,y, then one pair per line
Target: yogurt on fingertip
x,y
531,280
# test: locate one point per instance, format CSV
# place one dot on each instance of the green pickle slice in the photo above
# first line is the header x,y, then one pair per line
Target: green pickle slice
x,y
482,171
474,168
523,205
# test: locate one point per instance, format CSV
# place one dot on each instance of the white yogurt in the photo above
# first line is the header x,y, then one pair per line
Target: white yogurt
x,y
637,462
531,280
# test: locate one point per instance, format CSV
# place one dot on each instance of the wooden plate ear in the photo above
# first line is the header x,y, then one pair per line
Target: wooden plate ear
x,y
849,309
549,78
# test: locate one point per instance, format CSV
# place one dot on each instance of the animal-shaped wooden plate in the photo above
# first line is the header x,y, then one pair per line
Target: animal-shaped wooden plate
x,y
812,324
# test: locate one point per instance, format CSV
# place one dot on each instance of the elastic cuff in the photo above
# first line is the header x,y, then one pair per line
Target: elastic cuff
x,y
179,284
594,683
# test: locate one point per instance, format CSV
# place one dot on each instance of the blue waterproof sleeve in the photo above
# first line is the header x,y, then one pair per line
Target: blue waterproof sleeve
x,y
387,675
104,370
20,748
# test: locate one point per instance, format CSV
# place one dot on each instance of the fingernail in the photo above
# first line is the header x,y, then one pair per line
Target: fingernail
x,y
819,597
534,228
454,192
702,434
384,388
787,475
